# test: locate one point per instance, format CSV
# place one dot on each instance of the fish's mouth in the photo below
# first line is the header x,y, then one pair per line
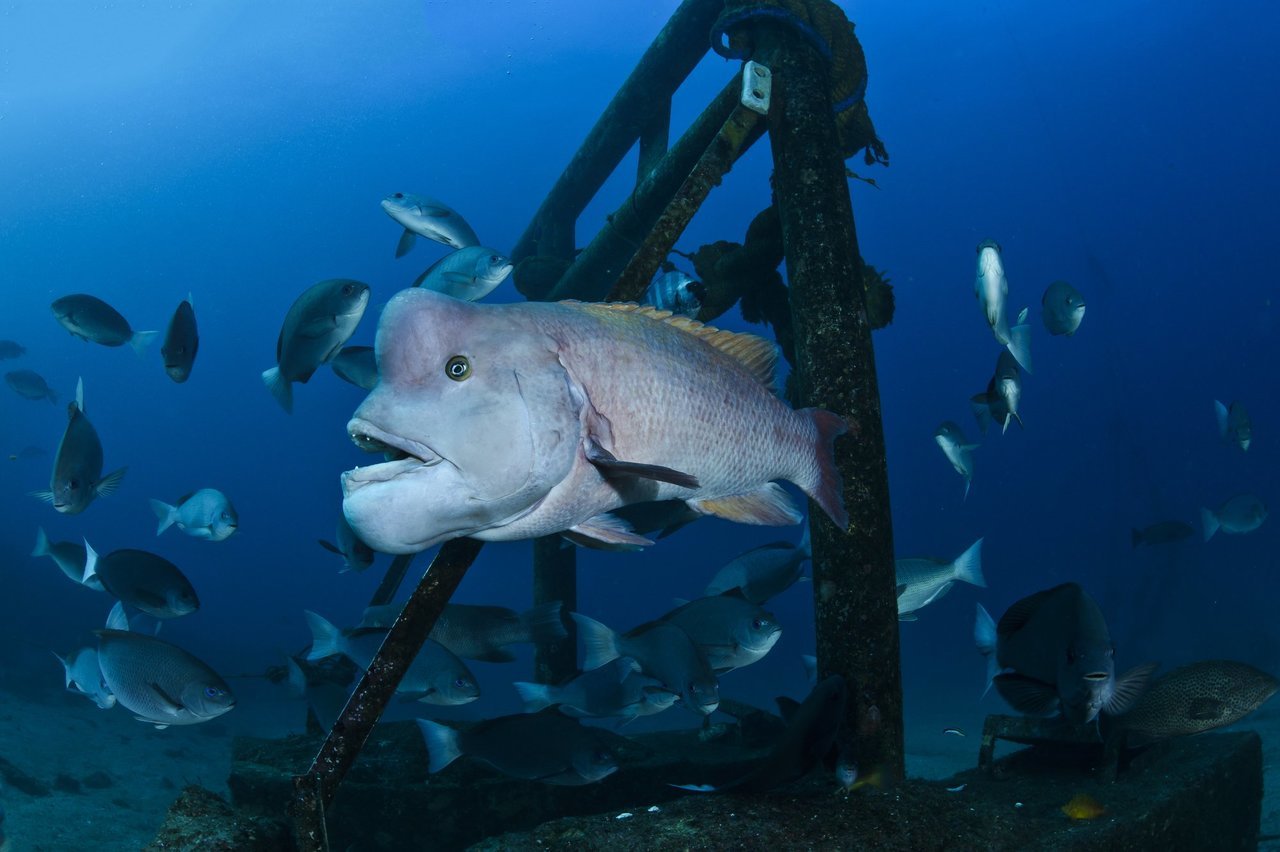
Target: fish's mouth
x,y
371,439
1096,677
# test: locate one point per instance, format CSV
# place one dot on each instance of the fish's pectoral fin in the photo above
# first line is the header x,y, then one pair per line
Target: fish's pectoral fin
x,y
1027,695
460,278
1206,708
609,529
46,496
769,506
318,326
110,483
610,466
902,588
160,726
1129,688
329,546
172,707
407,240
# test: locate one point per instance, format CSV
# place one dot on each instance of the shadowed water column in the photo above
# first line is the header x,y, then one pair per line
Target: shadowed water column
x,y
854,589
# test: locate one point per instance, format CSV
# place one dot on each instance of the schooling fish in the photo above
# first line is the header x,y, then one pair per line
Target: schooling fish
x,y
77,468
29,384
763,572
1243,513
676,292
1004,395
921,581
1234,425
85,677
728,630
68,556
142,580
1164,532
356,555
356,364
317,325
616,689
521,420
469,274
663,651
11,349
160,683
181,341
422,216
547,747
956,447
89,318
991,286
1063,308
204,514
809,737
1052,652
483,632
1198,697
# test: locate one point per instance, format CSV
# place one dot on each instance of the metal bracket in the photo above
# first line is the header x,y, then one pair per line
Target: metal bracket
x,y
757,84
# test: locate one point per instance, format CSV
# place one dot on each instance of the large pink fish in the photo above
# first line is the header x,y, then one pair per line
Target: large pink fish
x,y
515,421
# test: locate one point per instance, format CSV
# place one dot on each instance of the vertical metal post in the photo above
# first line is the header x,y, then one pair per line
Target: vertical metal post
x,y
854,588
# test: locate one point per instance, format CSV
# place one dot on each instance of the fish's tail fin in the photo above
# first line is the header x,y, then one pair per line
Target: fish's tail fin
x,y
326,639
968,566
1223,415
984,636
1210,522
1019,345
442,744
141,340
407,239
42,543
826,488
117,618
166,513
535,696
90,564
110,483
600,644
280,388
543,623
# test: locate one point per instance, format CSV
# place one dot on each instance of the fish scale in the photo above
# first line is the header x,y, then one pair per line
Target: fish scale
x,y
137,669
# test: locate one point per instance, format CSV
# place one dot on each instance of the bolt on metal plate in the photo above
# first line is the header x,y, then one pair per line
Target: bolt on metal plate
x,y
757,83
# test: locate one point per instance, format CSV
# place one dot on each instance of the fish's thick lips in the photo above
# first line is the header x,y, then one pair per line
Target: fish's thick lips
x,y
1096,676
371,439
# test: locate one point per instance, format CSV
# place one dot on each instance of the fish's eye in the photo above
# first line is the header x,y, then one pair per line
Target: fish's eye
x,y
458,368
495,259
348,289
460,683
212,692
757,623
75,483
398,195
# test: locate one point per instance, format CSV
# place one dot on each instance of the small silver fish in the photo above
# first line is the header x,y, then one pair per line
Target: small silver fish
x,y
1234,425
1063,308
85,677
205,514
422,216
921,581
469,274
664,653
1003,397
676,292
727,629
956,447
991,287
1243,513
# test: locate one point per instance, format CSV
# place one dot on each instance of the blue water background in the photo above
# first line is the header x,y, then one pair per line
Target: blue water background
x,y
238,152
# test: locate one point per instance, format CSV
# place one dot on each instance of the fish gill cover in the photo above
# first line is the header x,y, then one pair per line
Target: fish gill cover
x,y
238,155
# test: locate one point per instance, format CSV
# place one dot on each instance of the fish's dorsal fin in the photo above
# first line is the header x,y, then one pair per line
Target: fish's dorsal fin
x,y
1019,613
758,355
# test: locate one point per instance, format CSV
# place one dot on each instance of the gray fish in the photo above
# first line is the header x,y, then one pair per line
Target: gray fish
x,y
357,365
921,581
89,318
616,689
991,286
356,555
482,632
728,630
809,737
29,384
11,349
1004,395
664,653
763,572
160,683
422,216
68,556
1063,308
1198,697
85,677
676,292
469,274
547,747
1234,425
1164,532
181,342
956,447
205,514
1051,651
1243,513
77,468
143,581
436,675
317,325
